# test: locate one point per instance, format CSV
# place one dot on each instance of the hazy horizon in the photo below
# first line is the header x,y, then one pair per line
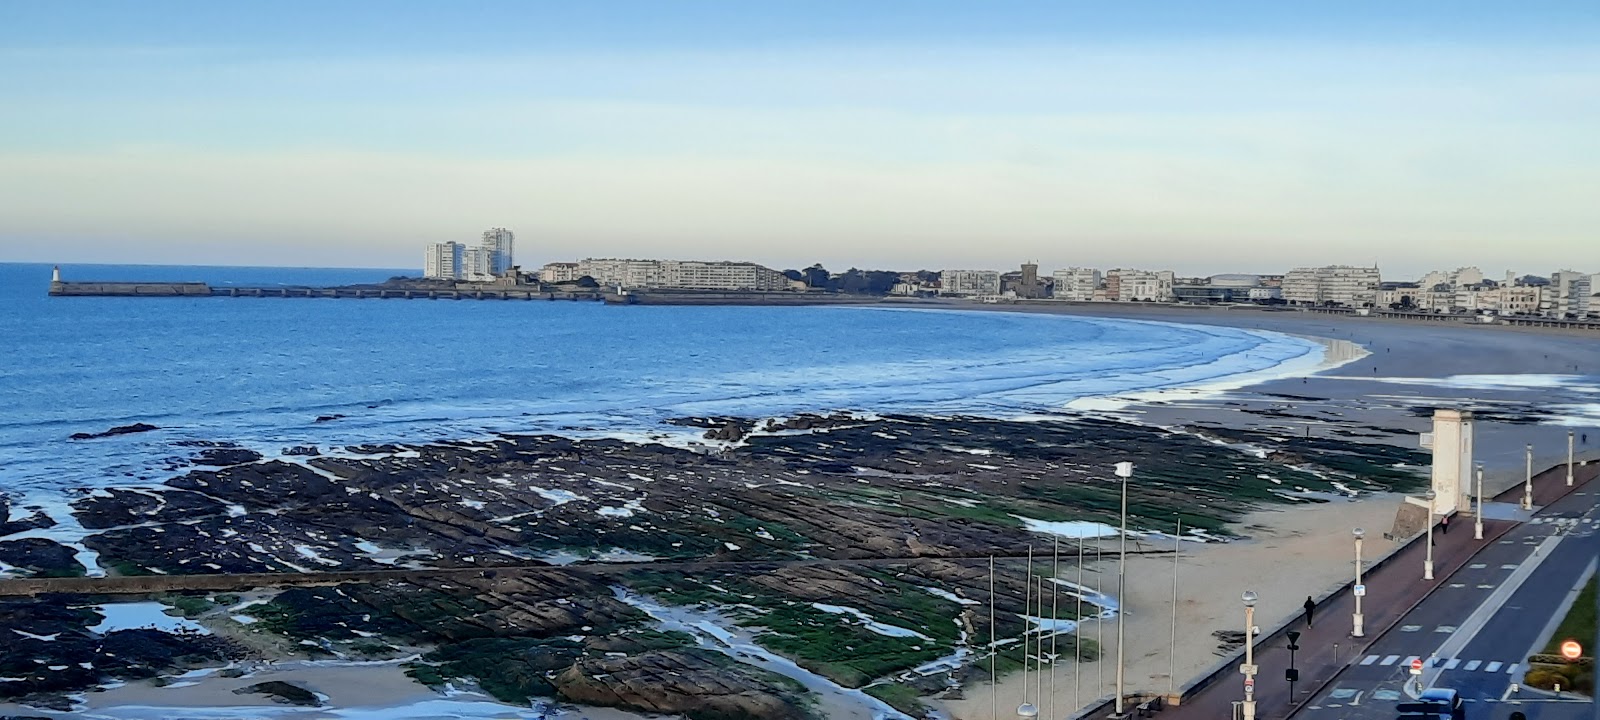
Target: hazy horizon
x,y
1243,137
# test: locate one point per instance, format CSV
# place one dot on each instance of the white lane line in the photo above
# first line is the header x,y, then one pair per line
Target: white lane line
x,y
1512,668
1480,617
1452,663
1370,659
1493,666
1357,701
1389,660
1472,665
1478,566
1507,566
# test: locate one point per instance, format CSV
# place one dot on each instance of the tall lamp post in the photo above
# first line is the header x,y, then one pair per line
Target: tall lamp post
x,y
1527,486
1249,668
1569,458
1124,471
1427,565
1358,589
1477,519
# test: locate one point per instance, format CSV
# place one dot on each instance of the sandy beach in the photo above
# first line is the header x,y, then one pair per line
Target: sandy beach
x,y
1290,554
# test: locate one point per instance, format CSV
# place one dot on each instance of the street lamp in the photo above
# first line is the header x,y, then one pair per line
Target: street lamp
x,y
1358,589
1124,471
1477,520
1569,458
1527,486
1249,668
1427,565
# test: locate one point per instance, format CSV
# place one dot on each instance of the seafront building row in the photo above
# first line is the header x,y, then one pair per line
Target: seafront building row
x,y
677,274
1563,294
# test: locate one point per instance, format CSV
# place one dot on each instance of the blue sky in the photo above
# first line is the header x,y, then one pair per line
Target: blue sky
x,y
1234,136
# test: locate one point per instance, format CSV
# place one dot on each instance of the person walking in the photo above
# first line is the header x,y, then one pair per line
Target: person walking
x,y
1311,606
1444,525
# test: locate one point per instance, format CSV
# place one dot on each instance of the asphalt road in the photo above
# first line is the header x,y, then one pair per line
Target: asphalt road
x,y
1475,630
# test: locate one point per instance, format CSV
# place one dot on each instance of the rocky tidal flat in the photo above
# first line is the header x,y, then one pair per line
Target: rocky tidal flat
x,y
851,554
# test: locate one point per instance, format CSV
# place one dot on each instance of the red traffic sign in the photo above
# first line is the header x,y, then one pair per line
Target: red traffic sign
x,y
1571,650
1416,665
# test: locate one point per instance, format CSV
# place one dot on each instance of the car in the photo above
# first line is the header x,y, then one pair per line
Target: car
x,y
1445,698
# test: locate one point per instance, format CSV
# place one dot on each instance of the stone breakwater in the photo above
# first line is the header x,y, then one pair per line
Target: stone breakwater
x,y
840,488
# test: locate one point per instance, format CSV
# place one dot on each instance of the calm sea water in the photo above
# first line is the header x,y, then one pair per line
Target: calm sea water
x,y
260,371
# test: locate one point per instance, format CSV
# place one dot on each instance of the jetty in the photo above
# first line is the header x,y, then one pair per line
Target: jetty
x,y
397,289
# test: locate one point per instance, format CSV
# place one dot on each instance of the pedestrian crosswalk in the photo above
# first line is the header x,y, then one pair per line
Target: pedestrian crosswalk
x,y
1464,664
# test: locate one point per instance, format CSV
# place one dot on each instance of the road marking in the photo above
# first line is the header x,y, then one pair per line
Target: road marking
x,y
1445,629
1406,663
1452,663
1485,586
1368,660
1342,694
1512,668
1507,542
1458,585
1507,566
1507,693
1389,660
1478,566
1492,667
1357,701
1410,628
1471,665
1385,694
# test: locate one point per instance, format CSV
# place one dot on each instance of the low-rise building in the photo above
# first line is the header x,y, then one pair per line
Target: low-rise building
x,y
970,283
1139,285
559,272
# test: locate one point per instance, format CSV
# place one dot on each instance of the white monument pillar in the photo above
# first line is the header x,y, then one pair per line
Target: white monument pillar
x,y
1451,441
55,274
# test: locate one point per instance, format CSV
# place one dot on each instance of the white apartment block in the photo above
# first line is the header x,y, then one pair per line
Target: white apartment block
x,y
967,283
1573,293
682,274
497,242
1339,284
559,272
443,261
1076,284
477,265
1521,299
1140,285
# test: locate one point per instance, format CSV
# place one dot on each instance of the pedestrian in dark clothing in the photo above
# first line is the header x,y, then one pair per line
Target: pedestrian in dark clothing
x,y
1311,606
1444,525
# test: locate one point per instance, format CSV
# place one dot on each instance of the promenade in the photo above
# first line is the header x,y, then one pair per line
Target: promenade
x,y
1394,588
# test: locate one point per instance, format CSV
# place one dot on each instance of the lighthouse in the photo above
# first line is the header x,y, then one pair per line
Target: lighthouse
x,y
55,274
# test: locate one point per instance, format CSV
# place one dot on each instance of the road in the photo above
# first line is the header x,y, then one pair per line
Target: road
x,y
1475,630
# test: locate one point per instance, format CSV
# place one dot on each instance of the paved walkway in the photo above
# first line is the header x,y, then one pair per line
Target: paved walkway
x,y
1393,589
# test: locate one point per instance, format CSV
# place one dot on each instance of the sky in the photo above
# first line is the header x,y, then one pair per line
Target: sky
x,y
1226,136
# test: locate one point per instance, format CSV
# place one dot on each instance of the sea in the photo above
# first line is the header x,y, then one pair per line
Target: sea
x,y
261,372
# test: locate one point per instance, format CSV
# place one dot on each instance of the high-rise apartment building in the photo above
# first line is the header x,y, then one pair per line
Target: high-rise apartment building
x,y
1076,284
443,261
477,265
1337,284
967,283
498,243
